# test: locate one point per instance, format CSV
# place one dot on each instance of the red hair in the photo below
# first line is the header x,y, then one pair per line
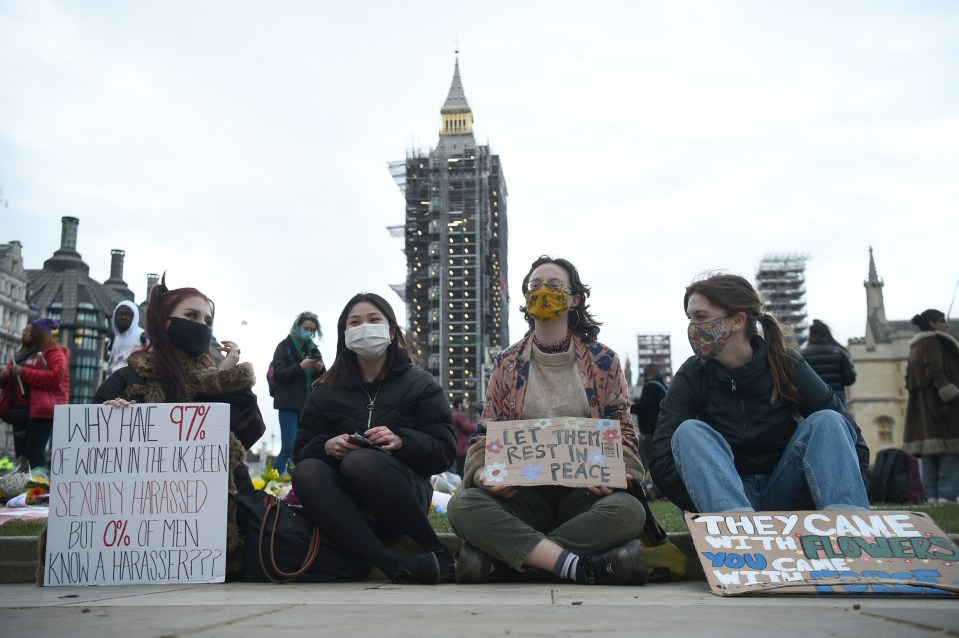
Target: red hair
x,y
162,303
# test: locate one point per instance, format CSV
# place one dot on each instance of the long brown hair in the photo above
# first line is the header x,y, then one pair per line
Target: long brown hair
x,y
734,294
345,372
165,361
40,339
580,319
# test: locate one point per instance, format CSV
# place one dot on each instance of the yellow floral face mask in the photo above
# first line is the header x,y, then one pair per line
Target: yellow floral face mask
x,y
546,303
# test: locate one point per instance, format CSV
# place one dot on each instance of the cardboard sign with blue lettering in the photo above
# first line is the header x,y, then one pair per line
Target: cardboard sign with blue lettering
x,y
562,450
825,552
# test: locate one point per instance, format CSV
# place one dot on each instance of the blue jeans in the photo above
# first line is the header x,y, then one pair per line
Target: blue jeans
x,y
940,476
289,419
819,468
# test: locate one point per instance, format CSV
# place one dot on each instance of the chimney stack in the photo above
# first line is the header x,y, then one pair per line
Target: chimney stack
x,y
68,234
116,264
152,280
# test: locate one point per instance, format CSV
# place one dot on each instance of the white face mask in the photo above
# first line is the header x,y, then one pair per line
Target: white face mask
x,y
368,340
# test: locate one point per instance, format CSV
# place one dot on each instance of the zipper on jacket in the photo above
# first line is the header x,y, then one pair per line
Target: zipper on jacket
x,y
742,409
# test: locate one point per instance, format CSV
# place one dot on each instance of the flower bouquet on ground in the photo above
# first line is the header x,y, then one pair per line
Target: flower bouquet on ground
x,y
20,486
272,483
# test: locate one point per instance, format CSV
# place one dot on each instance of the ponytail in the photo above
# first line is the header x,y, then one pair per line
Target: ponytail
x,y
782,367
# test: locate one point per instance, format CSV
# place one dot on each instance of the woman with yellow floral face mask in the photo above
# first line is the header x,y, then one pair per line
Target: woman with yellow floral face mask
x,y
587,535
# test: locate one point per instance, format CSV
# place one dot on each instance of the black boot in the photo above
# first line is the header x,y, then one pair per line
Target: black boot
x,y
423,569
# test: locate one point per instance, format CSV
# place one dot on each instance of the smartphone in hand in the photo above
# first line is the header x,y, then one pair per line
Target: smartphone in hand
x,y
358,439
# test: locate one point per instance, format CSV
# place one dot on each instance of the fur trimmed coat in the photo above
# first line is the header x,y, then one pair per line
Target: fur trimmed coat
x,y
202,383
932,414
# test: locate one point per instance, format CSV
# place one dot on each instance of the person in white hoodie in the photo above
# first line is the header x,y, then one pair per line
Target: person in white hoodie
x,y
128,335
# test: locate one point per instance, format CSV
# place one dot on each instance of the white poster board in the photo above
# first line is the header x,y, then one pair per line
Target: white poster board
x,y
138,494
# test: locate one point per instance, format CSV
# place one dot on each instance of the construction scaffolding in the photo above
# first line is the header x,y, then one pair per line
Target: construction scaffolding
x,y
655,349
781,279
455,241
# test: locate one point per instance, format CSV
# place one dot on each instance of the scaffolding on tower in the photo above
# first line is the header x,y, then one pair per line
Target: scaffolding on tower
x,y
781,279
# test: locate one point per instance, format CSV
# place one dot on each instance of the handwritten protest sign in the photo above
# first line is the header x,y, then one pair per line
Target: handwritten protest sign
x,y
826,552
555,451
138,494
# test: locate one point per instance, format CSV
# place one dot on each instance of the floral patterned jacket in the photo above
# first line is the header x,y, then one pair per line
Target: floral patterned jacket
x,y
603,380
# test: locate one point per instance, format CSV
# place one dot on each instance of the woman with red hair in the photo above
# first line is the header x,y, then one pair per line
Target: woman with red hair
x,y
177,366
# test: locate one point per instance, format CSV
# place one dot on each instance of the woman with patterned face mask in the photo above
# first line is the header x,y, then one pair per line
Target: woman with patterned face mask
x,y
746,423
587,535
373,431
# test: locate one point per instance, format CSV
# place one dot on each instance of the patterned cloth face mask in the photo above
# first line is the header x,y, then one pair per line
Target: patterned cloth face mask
x,y
708,338
546,302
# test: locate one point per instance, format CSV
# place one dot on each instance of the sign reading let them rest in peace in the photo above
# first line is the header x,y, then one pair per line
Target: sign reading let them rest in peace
x,y
572,451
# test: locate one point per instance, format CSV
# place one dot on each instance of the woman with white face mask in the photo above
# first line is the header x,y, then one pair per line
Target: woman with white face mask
x,y
371,434
746,424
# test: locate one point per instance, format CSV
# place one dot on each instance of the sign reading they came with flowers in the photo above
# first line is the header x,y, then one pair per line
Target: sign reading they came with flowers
x,y
562,450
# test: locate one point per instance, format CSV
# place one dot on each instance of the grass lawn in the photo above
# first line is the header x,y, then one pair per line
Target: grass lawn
x,y
669,516
946,516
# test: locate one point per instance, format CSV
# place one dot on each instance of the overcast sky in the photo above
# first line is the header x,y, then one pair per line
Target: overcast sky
x,y
243,147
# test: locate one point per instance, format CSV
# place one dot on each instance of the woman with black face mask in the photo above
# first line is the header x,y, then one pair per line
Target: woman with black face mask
x,y
177,366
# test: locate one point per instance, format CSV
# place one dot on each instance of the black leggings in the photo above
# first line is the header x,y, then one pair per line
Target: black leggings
x,y
30,440
367,482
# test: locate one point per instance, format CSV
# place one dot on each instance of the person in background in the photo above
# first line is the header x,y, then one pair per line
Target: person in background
x,y
932,412
586,535
297,363
829,359
38,378
646,408
729,437
464,427
372,433
127,334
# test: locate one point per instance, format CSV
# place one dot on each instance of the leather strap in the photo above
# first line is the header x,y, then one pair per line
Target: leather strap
x,y
272,505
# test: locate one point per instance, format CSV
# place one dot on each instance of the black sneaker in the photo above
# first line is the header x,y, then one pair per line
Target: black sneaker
x,y
447,564
624,565
423,569
474,566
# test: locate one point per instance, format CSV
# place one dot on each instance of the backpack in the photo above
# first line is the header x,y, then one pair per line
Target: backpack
x,y
270,381
895,478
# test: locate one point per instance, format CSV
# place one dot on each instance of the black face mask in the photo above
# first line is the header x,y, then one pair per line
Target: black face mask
x,y
189,336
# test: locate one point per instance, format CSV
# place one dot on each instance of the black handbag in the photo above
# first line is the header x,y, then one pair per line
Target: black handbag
x,y
281,545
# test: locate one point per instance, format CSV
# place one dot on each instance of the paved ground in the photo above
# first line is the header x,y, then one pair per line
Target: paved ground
x,y
374,608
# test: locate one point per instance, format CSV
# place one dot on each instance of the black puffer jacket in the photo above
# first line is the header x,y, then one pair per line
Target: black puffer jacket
x,y
292,385
409,402
736,404
833,365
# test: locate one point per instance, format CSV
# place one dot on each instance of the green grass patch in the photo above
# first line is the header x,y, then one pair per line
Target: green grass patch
x,y
23,528
669,516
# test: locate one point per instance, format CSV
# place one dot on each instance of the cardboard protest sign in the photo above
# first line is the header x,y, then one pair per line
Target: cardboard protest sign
x,y
555,451
138,494
825,552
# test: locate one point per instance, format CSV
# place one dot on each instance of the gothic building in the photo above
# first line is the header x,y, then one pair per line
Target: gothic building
x,y
455,235
14,312
878,399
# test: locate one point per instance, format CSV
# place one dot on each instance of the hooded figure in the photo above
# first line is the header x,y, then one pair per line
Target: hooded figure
x,y
128,334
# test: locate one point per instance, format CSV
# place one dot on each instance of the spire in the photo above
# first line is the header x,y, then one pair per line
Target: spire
x,y
873,277
877,328
457,118
456,99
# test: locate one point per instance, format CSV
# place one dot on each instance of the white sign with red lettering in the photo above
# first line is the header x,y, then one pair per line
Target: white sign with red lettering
x,y
138,494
